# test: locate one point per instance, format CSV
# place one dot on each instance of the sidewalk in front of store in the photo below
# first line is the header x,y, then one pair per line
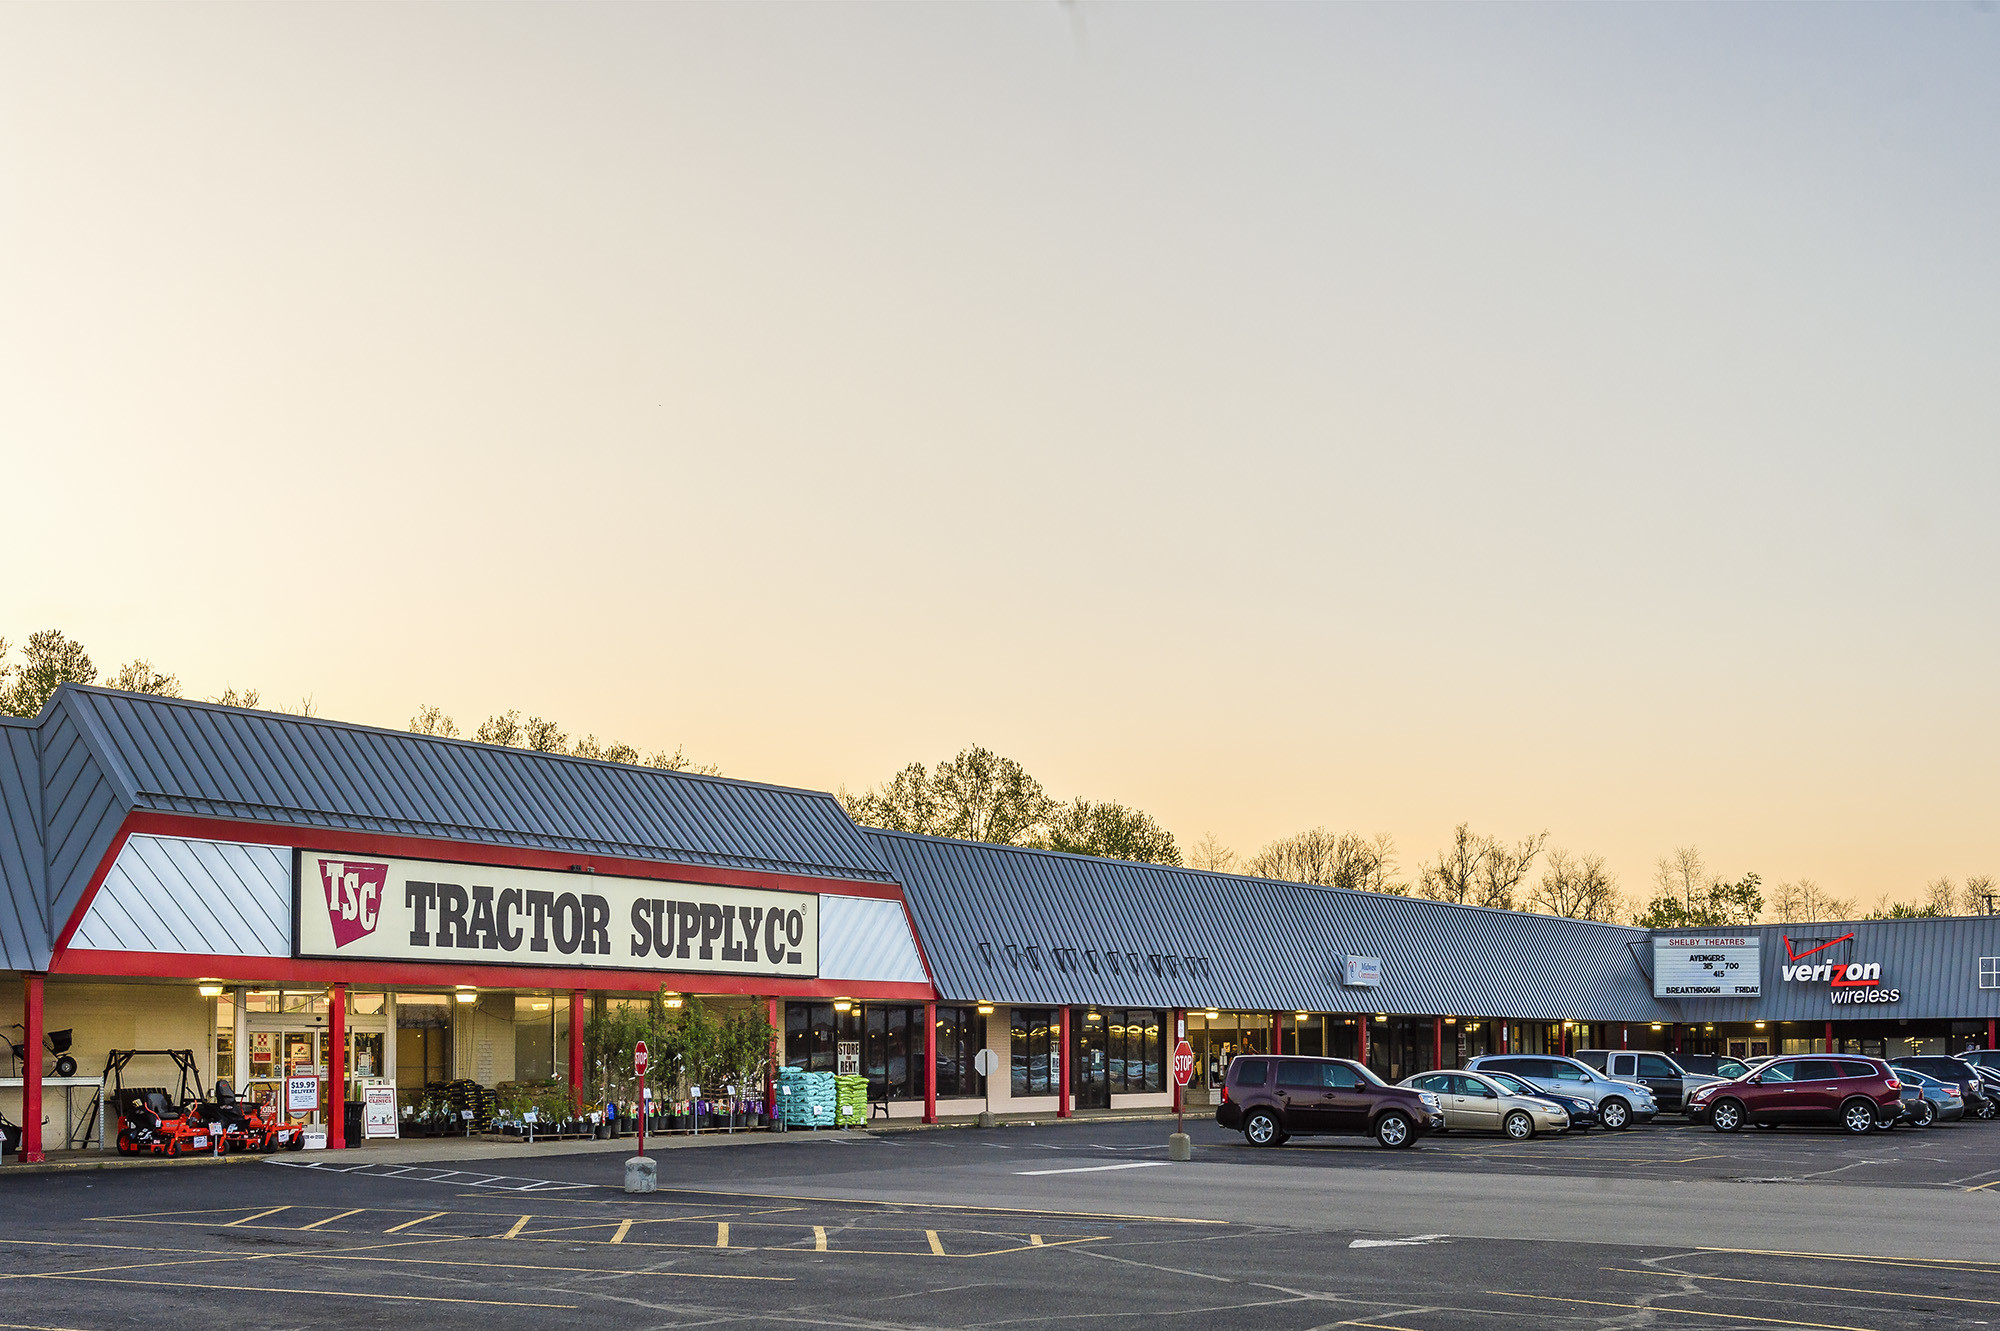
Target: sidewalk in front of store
x,y
515,1150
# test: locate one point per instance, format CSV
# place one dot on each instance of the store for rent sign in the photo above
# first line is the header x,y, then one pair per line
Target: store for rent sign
x,y
346,906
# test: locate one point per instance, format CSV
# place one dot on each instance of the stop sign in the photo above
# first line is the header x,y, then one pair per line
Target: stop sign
x,y
1183,1063
639,1059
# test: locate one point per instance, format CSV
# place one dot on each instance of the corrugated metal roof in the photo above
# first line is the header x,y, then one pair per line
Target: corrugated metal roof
x,y
867,938
1010,925
24,933
185,757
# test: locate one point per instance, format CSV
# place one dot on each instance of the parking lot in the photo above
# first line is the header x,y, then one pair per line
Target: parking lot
x,y
1055,1225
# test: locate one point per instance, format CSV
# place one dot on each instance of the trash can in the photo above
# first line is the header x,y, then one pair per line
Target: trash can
x,y
352,1119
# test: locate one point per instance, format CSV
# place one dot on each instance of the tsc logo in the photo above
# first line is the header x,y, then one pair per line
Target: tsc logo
x,y
353,897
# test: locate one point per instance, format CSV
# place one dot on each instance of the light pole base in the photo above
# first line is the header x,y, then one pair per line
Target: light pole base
x,y
642,1174
986,1119
1180,1146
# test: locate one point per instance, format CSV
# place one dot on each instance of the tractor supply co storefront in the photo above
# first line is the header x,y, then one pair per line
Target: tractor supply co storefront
x,y
284,897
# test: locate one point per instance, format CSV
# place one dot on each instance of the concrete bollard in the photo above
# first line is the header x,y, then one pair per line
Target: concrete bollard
x,y
642,1174
986,1120
1180,1146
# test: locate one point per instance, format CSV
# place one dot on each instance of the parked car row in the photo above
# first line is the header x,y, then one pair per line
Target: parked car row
x,y
1273,1098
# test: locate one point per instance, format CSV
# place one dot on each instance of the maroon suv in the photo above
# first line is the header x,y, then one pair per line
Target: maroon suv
x,y
1858,1094
1271,1099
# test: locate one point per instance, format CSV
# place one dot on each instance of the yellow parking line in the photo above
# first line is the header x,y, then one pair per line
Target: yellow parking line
x,y
244,1221
410,1224
330,1219
519,1225
1034,1240
1682,1312
819,1238
722,1233
1799,1284
937,1245
309,1293
1984,1186
1921,1263
624,1228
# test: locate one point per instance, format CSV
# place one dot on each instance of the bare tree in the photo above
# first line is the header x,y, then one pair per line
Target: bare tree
x,y
1329,859
1455,875
678,761
1980,895
431,720
1210,853
1806,902
140,677
1941,896
232,696
1684,877
1576,887
544,736
503,729
1504,869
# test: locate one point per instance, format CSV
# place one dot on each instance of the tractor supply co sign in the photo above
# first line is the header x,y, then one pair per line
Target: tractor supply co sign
x,y
1707,966
346,906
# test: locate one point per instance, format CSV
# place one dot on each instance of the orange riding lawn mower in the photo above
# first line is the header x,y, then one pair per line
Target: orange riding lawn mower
x,y
152,1122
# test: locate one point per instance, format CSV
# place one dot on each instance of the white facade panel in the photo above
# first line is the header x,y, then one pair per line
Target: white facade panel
x,y
169,894
866,938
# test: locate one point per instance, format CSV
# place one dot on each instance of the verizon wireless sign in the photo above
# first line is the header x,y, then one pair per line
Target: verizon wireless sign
x,y
374,909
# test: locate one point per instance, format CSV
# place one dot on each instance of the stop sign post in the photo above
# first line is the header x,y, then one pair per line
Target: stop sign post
x,y
639,1071
1183,1074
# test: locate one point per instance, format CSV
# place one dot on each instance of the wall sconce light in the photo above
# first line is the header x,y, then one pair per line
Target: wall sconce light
x,y
466,996
1300,1016
209,990
843,1005
985,1009
1760,1025
1656,1026
1213,1014
675,1001
1451,1021
1381,1016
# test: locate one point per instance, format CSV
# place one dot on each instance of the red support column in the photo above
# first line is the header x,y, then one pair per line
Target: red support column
x,y
1624,1037
1062,1062
31,1071
1437,1043
775,1016
577,999
1277,1032
1829,1037
336,1070
930,1064
1361,1019
1990,1024
1179,1033
1677,1037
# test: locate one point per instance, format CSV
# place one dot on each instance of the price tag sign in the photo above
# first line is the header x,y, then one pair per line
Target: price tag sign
x,y
301,1095
1183,1063
639,1059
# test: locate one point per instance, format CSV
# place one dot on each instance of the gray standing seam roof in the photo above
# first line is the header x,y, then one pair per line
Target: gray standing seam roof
x,y
1011,925
69,777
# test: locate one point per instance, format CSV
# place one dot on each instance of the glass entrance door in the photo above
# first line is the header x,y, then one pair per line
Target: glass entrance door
x,y
1091,1082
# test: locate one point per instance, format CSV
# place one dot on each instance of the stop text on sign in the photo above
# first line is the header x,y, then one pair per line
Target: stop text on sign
x,y
351,906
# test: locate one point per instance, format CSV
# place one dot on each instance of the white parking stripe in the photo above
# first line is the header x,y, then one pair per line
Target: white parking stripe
x,y
1095,1169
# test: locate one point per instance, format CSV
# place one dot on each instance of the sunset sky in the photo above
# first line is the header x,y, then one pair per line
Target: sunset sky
x,y
1561,417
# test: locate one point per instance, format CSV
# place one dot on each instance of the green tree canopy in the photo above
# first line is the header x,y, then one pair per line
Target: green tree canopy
x,y
1082,827
50,660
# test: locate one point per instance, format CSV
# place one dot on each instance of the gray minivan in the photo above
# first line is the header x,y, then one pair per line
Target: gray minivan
x,y
1619,1103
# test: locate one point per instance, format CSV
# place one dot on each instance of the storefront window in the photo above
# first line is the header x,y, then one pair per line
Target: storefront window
x,y
534,1037
1035,1034
813,1032
423,1039
304,1000
260,1000
958,1040
366,1002
1134,1051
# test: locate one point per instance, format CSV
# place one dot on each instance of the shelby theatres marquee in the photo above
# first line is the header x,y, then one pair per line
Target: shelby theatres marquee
x,y
379,909
1708,966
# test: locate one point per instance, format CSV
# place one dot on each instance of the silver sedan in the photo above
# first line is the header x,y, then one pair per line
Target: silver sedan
x,y
1473,1102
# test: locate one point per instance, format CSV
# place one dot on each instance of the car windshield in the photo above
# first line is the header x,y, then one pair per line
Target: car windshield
x,y
1513,1085
1369,1073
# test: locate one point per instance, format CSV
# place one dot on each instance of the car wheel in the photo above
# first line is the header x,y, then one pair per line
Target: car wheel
x,y
1260,1129
1857,1117
1394,1129
1727,1116
1988,1108
1614,1114
1520,1126
1926,1114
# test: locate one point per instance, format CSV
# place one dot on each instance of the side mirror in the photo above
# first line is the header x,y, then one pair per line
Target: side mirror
x,y
1754,1079
1588,1078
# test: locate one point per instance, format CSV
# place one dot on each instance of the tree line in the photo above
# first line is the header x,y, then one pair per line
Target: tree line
x,y
50,659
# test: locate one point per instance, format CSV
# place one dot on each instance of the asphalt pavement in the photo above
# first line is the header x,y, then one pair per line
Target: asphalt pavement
x,y
1058,1225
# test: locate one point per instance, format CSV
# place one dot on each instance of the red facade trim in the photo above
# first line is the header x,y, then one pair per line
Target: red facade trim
x,y
389,974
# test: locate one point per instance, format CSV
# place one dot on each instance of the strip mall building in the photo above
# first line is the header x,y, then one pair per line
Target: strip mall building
x,y
276,892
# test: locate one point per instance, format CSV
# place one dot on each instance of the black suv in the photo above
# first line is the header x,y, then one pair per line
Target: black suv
x,y
1979,1099
1271,1099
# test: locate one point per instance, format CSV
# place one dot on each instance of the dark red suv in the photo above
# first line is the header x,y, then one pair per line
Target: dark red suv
x,y
1858,1094
1272,1099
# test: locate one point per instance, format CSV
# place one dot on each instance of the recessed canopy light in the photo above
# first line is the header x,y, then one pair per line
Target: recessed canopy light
x,y
209,990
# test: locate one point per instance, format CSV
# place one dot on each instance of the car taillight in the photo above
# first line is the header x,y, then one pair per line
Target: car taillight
x,y
1895,1085
1225,1092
